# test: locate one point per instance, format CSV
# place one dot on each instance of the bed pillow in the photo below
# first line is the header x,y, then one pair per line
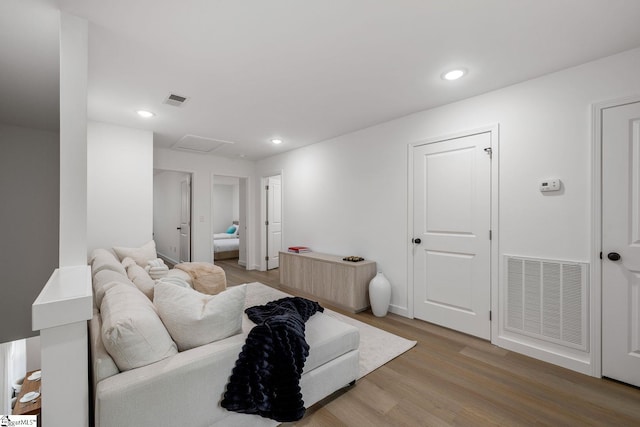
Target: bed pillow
x,y
232,229
141,255
132,332
194,319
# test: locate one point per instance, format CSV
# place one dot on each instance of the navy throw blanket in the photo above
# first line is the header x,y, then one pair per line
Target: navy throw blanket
x,y
266,377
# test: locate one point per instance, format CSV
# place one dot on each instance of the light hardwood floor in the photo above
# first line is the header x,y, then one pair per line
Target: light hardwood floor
x,y
452,379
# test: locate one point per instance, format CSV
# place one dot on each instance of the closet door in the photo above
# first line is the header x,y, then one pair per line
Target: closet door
x,y
452,221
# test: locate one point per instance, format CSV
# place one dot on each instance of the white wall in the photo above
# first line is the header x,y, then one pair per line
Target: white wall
x,y
348,195
167,206
119,186
29,212
204,167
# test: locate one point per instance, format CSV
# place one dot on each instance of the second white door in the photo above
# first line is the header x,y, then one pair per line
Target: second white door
x,y
452,247
185,221
621,243
274,221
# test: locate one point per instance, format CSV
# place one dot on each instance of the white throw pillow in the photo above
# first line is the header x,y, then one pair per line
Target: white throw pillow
x,y
141,279
132,332
141,255
194,319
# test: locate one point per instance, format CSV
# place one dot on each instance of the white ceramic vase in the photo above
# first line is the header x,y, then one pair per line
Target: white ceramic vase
x,y
379,294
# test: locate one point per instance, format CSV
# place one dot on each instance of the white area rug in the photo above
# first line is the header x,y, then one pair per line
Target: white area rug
x,y
377,347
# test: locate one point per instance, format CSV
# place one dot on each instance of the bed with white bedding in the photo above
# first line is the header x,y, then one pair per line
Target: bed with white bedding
x,y
226,245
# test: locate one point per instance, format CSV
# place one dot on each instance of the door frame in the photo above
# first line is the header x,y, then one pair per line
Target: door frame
x,y
596,228
494,131
262,264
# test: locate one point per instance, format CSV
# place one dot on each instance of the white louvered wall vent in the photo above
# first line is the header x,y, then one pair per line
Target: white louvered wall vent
x,y
548,300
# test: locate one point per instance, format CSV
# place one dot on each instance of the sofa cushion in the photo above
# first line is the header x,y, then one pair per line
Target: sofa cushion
x,y
102,364
194,319
141,255
102,259
106,279
327,337
132,332
141,279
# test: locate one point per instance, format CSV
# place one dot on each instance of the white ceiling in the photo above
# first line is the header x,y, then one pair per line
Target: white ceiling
x,y
307,71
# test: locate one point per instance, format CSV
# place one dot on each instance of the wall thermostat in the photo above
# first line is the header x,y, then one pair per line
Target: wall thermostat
x,y
550,185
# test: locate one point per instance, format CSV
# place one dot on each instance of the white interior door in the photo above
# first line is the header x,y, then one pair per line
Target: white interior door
x,y
185,221
621,243
274,221
452,221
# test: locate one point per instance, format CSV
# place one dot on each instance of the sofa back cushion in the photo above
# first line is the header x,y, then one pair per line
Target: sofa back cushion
x,y
102,259
106,279
194,319
102,364
132,332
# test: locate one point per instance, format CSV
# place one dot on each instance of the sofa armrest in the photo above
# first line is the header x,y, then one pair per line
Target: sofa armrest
x,y
187,386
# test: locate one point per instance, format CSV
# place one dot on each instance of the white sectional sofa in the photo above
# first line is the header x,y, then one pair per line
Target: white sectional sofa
x,y
185,388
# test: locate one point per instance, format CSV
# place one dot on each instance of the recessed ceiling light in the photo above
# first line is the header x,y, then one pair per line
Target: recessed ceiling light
x,y
454,74
276,141
144,113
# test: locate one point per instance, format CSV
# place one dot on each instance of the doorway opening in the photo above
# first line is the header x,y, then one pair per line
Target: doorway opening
x,y
229,219
172,197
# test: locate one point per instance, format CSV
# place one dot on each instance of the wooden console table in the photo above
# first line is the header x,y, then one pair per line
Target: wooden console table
x,y
328,278
31,407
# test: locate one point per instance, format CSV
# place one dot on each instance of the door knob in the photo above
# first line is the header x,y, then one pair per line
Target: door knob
x,y
416,241
614,256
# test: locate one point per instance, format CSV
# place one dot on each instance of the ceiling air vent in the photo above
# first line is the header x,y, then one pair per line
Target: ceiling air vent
x,y
175,100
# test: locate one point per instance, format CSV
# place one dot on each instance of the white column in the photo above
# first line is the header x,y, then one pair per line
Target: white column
x,y
63,307
73,140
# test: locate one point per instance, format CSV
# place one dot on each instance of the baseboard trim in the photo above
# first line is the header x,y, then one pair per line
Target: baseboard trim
x,y
167,258
401,311
575,362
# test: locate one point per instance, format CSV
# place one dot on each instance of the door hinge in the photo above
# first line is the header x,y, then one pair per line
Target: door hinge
x,y
266,222
266,187
489,315
490,235
266,258
489,151
600,255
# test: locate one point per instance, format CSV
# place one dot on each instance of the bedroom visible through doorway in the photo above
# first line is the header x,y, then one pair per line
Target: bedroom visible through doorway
x,y
228,219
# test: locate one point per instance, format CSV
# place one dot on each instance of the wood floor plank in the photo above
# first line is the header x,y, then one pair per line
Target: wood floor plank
x,y
453,379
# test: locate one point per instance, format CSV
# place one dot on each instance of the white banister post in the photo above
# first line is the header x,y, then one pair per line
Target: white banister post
x,y
63,307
